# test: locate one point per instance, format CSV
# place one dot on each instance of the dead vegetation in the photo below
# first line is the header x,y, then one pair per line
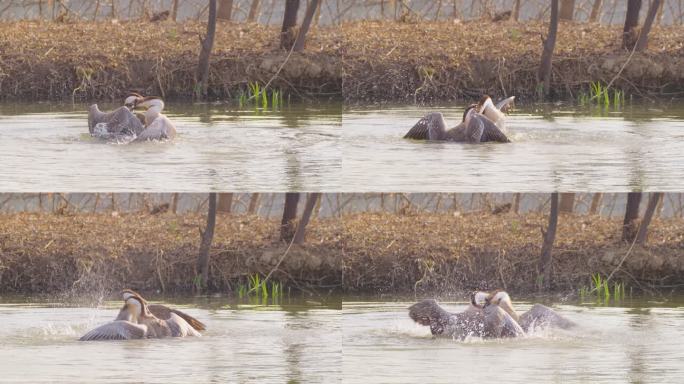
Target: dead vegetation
x,y
363,252
446,252
43,253
103,60
428,61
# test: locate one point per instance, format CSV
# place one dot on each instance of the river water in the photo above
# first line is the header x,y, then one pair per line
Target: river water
x,y
640,342
46,147
640,147
298,342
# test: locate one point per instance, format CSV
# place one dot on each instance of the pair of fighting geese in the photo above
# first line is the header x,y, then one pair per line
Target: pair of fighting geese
x,y
123,123
140,320
489,315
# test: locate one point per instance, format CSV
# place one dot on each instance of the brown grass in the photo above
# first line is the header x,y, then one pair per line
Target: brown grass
x,y
96,60
369,252
443,252
429,61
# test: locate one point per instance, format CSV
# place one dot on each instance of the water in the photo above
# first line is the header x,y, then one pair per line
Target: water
x,y
46,148
300,342
566,149
639,343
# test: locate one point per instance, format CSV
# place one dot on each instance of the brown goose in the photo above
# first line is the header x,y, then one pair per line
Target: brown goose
x,y
136,321
482,122
163,312
487,321
120,122
539,316
157,125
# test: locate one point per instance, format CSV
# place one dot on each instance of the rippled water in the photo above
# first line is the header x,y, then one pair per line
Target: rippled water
x,y
277,344
46,147
641,343
558,148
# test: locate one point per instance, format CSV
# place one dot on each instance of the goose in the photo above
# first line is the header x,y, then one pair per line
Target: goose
x,y
157,125
163,312
136,321
539,316
119,122
486,321
481,122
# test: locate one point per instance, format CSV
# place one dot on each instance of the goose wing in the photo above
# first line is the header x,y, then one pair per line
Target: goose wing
x,y
430,127
160,128
543,316
163,312
480,130
116,330
122,121
506,104
179,327
498,323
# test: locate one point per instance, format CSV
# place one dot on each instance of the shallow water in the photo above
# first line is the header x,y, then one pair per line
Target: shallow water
x,y
559,148
46,147
641,343
300,342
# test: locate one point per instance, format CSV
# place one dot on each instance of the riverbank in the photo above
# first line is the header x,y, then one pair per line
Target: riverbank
x,y
360,62
439,61
52,253
356,254
104,60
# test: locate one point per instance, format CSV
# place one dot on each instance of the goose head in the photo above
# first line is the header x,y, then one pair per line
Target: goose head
x,y
472,108
484,102
136,303
503,300
132,100
479,299
151,103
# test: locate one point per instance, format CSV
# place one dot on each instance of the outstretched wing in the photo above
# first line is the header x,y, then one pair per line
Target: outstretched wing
x,y
540,316
165,313
506,104
481,130
116,330
430,127
180,327
123,122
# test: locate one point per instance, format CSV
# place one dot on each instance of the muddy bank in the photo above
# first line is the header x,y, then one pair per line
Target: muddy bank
x,y
46,253
366,61
438,61
454,253
103,60
359,253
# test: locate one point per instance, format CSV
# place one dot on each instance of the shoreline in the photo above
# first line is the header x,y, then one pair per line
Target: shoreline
x,y
356,254
357,62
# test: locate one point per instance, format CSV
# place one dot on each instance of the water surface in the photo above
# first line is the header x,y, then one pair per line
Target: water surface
x,y
638,343
640,147
46,147
298,342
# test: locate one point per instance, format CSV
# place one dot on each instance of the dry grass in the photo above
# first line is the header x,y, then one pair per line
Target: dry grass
x,y
55,253
95,60
442,252
445,60
369,252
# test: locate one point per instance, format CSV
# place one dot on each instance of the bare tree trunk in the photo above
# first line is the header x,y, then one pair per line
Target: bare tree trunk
x,y
516,10
174,203
595,203
567,203
201,89
547,54
306,216
225,203
547,246
174,10
567,10
659,15
287,34
653,201
629,33
253,203
207,236
595,15
253,11
516,203
629,225
288,224
113,6
642,43
306,23
225,10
